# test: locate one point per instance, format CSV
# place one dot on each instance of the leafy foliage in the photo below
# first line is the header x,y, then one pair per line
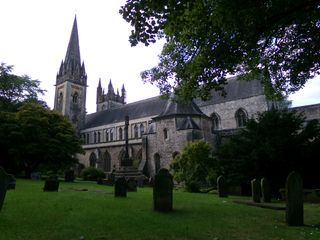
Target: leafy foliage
x,y
38,137
194,165
92,174
276,40
272,146
15,90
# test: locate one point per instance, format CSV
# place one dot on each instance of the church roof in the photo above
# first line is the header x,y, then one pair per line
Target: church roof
x,y
175,107
235,89
145,108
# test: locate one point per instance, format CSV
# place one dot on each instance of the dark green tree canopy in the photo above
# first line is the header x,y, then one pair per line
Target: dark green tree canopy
x,y
37,137
275,40
272,145
17,89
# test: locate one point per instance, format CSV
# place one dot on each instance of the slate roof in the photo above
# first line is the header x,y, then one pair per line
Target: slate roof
x,y
174,108
235,90
145,108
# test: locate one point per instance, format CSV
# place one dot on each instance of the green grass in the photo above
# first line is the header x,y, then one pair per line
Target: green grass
x,y
28,213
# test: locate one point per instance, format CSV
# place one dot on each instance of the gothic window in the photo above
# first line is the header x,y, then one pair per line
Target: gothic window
x,y
92,160
111,134
141,130
60,100
107,162
120,134
165,134
136,131
107,135
215,120
75,97
95,137
99,137
241,117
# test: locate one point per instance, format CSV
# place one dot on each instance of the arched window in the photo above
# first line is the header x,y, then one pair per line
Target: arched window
x,y
92,160
111,134
107,162
157,164
165,134
136,131
95,137
141,130
215,120
106,135
99,137
120,134
241,117
75,97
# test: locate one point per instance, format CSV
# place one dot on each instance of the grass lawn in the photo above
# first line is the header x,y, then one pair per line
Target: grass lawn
x,y
28,213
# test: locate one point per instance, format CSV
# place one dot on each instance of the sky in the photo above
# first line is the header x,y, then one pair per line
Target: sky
x,y
35,36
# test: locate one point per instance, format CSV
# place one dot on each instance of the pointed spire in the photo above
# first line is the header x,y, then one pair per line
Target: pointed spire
x,y
73,52
99,84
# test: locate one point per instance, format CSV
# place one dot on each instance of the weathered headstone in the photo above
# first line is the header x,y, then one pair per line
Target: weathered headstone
x,y
35,175
120,187
294,200
222,187
162,191
51,184
132,185
265,190
256,191
7,181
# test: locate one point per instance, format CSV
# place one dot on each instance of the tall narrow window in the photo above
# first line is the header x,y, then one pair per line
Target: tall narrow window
x,y
165,134
241,117
141,130
75,97
95,137
111,134
99,137
120,134
215,120
136,131
88,138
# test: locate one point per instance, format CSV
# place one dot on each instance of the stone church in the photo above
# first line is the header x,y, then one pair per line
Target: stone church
x,y
158,128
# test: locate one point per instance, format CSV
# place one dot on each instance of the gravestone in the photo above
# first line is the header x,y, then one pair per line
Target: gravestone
x,y
256,191
222,187
7,181
120,187
51,184
294,200
162,191
265,190
132,185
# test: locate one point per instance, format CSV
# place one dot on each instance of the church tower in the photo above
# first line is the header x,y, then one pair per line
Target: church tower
x,y
71,83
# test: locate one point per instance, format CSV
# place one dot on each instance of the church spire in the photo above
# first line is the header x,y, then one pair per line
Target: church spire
x,y
73,52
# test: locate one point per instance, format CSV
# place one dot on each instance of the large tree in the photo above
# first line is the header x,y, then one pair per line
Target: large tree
x,y
194,165
272,145
38,138
275,40
14,90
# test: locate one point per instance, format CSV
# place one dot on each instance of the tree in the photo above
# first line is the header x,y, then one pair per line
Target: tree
x,y
272,146
275,40
41,138
14,90
194,165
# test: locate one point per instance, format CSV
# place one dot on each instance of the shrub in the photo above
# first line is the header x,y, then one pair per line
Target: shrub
x,y
92,174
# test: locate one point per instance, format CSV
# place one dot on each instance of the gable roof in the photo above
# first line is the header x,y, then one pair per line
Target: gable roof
x,y
235,89
145,108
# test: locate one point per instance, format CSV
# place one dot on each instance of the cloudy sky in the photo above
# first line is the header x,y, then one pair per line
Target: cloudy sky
x,y
35,35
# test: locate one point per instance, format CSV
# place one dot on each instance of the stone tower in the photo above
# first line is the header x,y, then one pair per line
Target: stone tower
x,y
110,99
71,83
